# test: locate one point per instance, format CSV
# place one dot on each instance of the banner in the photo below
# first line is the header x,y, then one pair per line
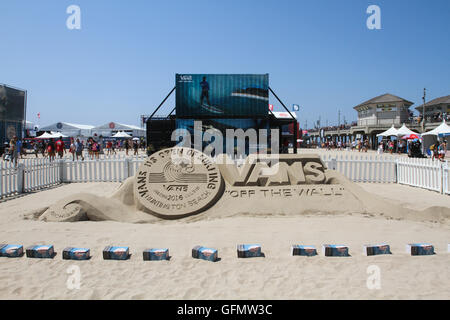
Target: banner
x,y
222,95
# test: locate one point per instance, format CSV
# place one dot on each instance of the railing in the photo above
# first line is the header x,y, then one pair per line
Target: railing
x,y
446,178
35,174
363,168
422,173
8,179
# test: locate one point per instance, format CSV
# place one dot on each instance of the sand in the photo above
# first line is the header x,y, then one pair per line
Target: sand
x,y
277,276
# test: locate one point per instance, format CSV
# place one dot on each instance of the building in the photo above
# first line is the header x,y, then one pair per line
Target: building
x,y
386,109
436,110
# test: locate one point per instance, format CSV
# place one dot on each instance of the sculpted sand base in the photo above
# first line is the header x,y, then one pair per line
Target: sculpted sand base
x,y
164,189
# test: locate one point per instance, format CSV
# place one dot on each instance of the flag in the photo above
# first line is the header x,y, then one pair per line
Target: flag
x,y
271,107
295,107
39,115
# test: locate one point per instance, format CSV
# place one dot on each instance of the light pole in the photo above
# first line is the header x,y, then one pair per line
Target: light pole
x,y
423,110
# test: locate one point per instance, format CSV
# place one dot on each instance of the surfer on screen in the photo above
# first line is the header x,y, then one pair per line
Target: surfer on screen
x,y
205,91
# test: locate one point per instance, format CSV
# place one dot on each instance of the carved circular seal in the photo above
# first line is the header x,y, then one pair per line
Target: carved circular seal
x,y
178,182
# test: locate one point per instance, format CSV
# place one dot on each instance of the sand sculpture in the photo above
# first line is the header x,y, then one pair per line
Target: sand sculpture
x,y
183,183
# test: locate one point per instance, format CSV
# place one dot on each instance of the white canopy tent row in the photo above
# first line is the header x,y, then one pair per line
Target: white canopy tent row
x,y
121,134
52,135
430,137
442,129
403,131
388,133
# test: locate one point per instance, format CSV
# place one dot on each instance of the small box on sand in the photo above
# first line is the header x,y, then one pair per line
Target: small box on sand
x,y
376,249
420,249
209,254
116,253
35,251
334,250
248,250
156,254
11,250
76,253
301,250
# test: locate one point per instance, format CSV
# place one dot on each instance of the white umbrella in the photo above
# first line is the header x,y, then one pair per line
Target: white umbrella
x,y
403,131
443,128
121,134
136,138
390,132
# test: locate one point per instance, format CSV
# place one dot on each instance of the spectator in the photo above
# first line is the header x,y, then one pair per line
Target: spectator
x,y
96,149
13,150
36,148
79,149
51,149
442,149
60,148
72,148
135,147
19,148
127,146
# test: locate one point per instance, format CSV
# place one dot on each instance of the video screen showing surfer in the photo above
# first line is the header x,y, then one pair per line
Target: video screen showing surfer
x,y
205,91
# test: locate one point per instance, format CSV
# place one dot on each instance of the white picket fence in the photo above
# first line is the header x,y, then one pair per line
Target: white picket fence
x,y
363,168
35,174
424,173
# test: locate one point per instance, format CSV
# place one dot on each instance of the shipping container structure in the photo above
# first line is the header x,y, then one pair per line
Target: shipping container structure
x,y
221,102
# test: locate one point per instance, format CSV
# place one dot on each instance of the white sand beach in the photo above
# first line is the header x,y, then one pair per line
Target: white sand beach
x,y
277,276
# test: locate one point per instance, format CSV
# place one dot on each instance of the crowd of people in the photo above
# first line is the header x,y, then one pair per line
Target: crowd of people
x,y
438,150
52,148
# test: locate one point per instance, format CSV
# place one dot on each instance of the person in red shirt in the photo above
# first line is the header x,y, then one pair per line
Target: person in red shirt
x,y
60,147
109,147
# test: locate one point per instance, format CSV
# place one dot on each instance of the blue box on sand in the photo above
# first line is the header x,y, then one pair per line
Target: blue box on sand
x,y
209,254
76,253
11,250
420,249
156,254
35,251
115,253
376,249
248,250
300,250
334,250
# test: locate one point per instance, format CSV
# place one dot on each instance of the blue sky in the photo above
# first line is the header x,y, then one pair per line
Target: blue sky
x,y
122,63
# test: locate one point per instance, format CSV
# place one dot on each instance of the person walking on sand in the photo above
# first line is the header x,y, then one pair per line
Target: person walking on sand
x,y
51,149
72,148
135,147
13,150
127,146
36,148
79,149
60,148
441,150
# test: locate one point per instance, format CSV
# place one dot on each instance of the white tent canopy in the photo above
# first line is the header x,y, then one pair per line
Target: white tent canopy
x,y
45,135
112,128
403,131
70,129
121,134
390,132
443,128
52,135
